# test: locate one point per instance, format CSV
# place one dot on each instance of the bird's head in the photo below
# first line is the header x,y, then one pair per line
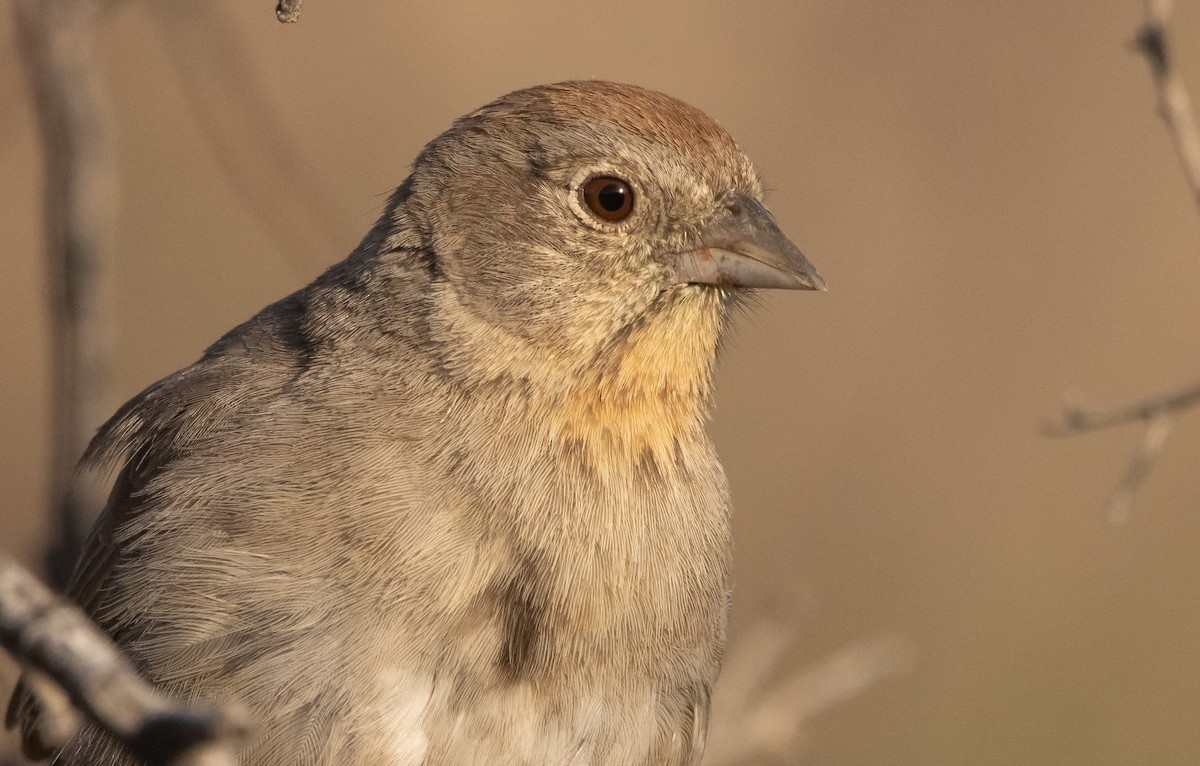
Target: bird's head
x,y
594,233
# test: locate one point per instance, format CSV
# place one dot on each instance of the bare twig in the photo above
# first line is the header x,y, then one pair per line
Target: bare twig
x,y
288,11
1077,420
1139,468
1175,108
80,212
763,715
1155,411
1174,105
60,642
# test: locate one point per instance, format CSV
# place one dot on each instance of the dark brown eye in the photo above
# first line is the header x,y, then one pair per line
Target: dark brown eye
x,y
608,197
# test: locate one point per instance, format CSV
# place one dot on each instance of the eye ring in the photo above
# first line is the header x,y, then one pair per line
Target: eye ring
x,y
608,198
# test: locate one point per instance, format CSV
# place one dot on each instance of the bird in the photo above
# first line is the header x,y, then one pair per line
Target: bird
x,y
454,501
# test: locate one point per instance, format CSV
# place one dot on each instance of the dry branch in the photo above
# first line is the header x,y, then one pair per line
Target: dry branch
x,y
1139,468
57,640
1175,109
764,714
1078,420
1174,105
79,215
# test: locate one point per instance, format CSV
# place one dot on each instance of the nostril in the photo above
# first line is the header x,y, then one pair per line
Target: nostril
x,y
734,208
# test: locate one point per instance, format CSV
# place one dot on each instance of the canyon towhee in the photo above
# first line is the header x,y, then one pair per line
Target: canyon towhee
x,y
453,502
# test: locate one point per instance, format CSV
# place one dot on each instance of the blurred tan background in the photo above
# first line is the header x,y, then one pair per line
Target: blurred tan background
x,y
987,190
